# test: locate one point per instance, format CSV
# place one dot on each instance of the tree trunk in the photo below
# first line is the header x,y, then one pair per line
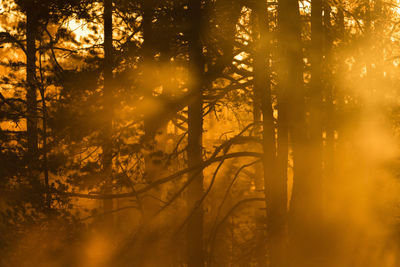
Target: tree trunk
x,y
31,95
44,138
329,166
316,90
274,184
108,111
306,139
292,89
195,253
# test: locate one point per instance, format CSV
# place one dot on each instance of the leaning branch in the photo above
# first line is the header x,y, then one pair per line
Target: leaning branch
x,y
162,180
6,37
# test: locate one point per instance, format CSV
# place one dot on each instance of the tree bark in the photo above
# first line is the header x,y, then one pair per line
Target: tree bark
x,y
316,91
107,156
274,184
31,94
292,91
195,253
329,157
306,138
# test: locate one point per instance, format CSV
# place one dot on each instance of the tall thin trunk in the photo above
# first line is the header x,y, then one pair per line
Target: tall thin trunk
x,y
329,166
342,67
195,253
340,21
316,93
314,199
291,88
108,110
31,95
45,160
274,184
303,202
306,138
44,142
379,16
259,187
257,118
368,32
378,45
260,253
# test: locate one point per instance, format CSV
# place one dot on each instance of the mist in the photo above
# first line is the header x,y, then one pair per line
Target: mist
x,y
200,133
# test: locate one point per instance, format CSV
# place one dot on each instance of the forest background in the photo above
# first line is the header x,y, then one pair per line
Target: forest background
x,y
199,133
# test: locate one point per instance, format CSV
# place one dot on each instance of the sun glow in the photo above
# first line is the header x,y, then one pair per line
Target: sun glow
x,y
79,28
396,7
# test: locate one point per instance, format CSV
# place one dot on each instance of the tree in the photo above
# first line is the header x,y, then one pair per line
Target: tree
x,y
108,99
31,95
301,216
274,182
195,250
